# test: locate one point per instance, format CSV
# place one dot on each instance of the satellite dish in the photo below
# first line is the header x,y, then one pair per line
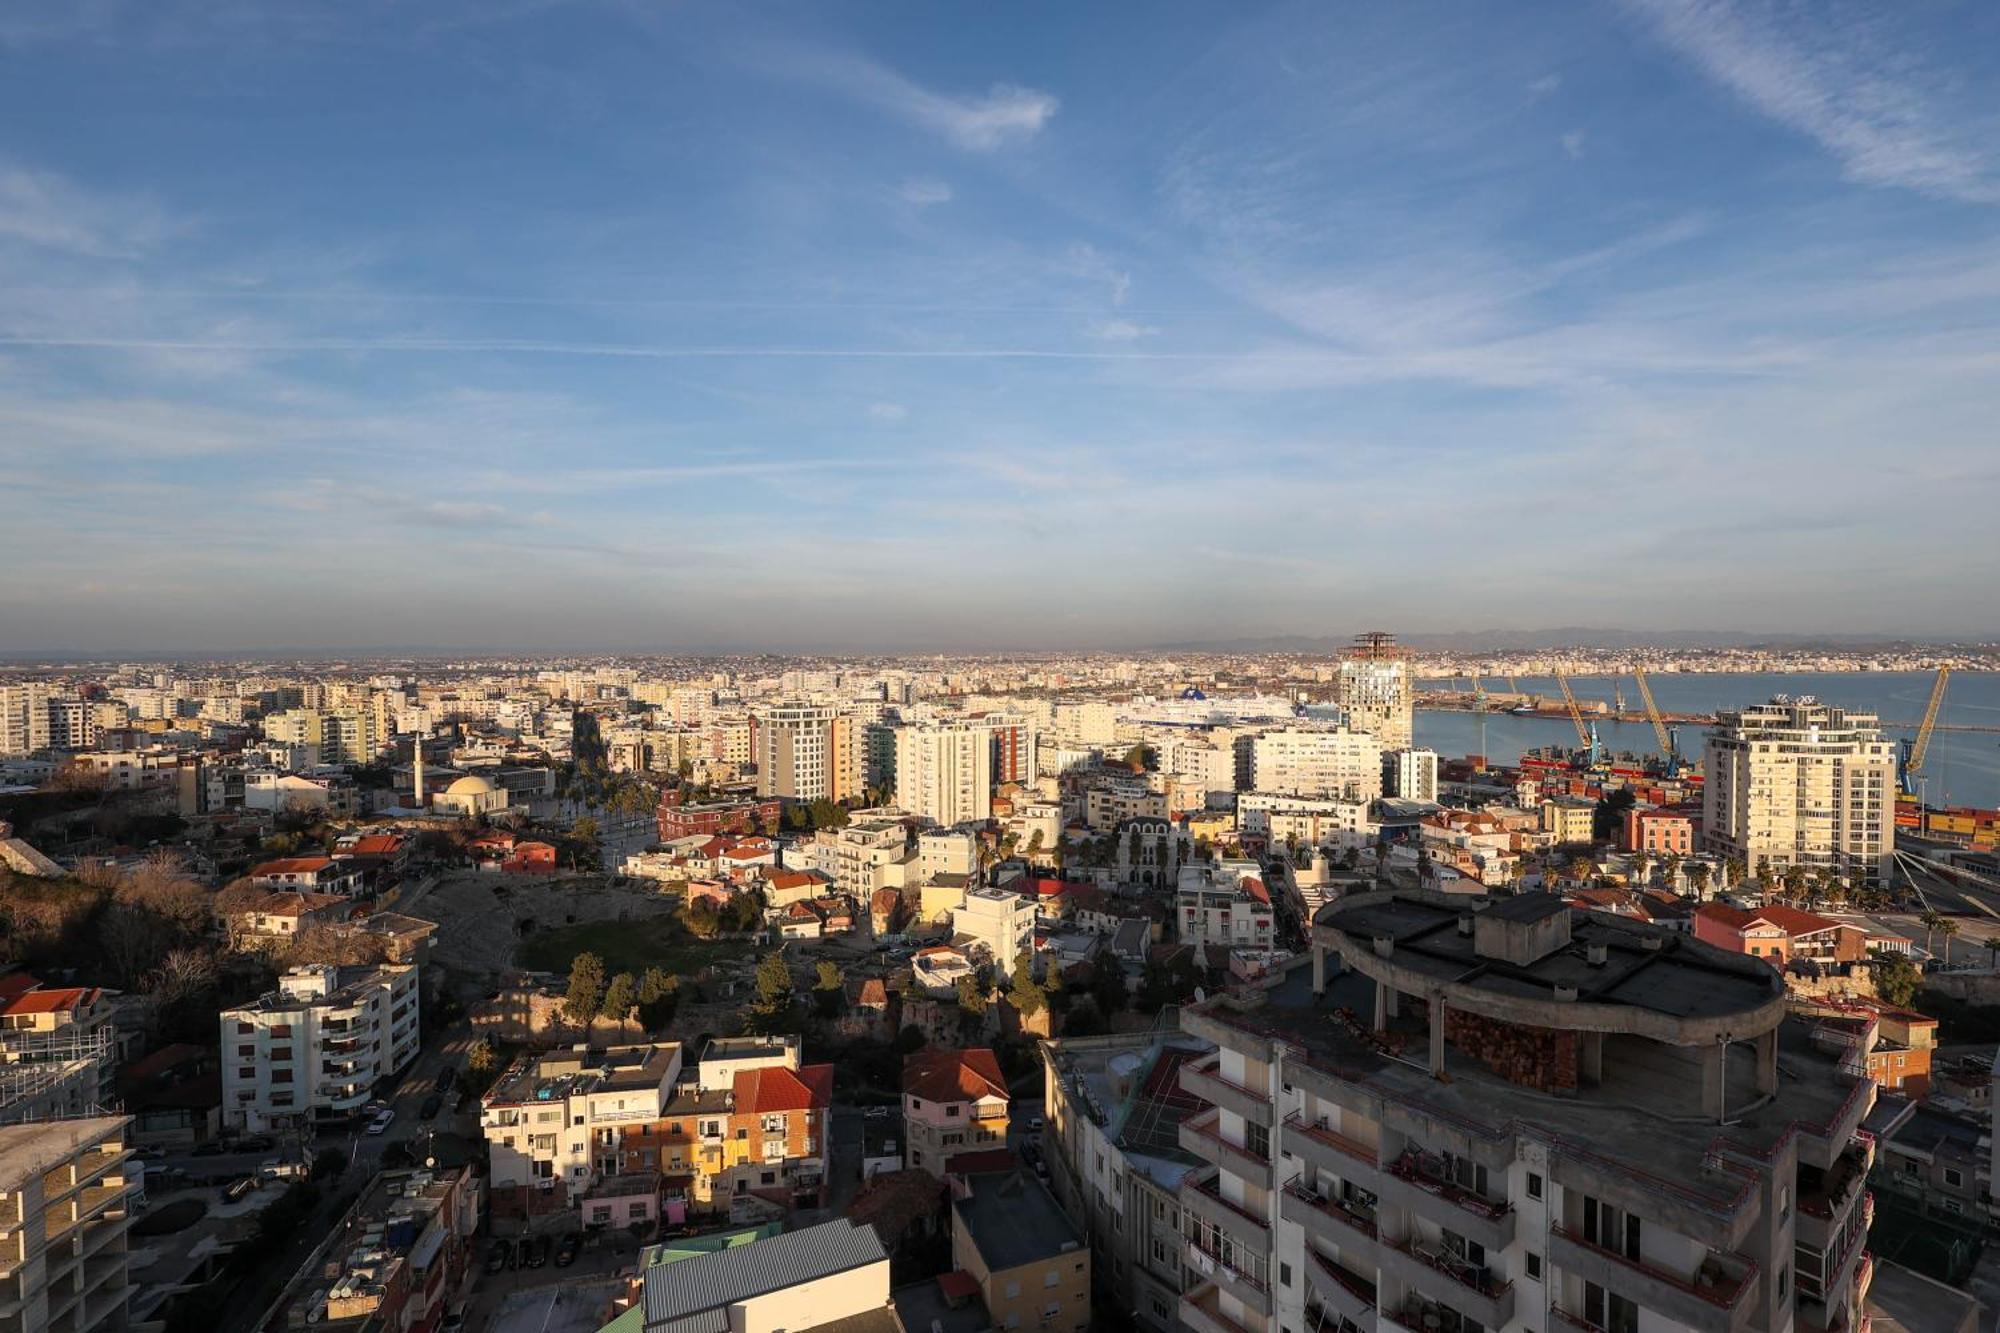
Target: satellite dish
x,y
431,1162
1199,994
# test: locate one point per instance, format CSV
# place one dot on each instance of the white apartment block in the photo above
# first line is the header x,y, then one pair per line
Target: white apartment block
x,y
554,1121
315,1047
807,752
65,1212
944,773
1445,1120
1002,922
1301,761
1226,905
1410,774
1798,782
1307,820
946,852
869,853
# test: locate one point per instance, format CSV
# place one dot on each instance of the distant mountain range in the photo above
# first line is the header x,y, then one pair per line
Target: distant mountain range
x,y
1572,636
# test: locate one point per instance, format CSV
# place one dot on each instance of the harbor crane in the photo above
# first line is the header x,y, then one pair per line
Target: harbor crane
x,y
1586,735
1913,751
1669,743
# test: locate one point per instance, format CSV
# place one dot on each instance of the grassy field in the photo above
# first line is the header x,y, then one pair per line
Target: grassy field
x,y
628,946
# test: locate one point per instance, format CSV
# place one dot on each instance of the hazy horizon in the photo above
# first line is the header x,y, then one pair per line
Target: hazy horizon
x,y
842,328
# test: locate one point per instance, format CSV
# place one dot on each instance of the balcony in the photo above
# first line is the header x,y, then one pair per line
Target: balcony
x,y
1418,1181
1469,1289
1201,1310
1201,1197
1252,1293
1200,1135
1205,1080
1339,1224
1825,1197
1341,1293
1329,1150
1718,1297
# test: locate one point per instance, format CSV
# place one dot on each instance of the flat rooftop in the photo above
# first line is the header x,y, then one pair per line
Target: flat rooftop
x,y
1677,977
1014,1220
36,1149
560,1074
1644,1113
1132,1091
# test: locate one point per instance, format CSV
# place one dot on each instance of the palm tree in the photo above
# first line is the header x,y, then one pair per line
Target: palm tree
x,y
1767,879
1670,870
1795,882
1932,920
1992,943
1697,878
1641,863
1733,871
1949,929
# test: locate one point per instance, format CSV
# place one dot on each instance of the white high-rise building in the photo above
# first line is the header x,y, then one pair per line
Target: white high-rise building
x,y
1002,921
807,752
1374,690
944,773
1411,774
1799,782
24,719
315,1047
1301,761
67,1193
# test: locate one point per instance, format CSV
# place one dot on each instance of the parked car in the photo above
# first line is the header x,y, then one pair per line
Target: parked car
x,y
383,1119
497,1255
255,1143
278,1168
538,1250
236,1189
446,1077
517,1253
566,1249
208,1149
432,1104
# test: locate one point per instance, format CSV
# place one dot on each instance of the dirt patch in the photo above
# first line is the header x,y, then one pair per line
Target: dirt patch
x,y
483,918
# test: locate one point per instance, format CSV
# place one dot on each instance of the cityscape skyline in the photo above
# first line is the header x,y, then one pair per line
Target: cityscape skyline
x,y
576,325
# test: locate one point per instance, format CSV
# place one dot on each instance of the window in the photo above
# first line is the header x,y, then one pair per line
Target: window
x,y
1534,1185
1784,1279
1013,1290
1050,1278
1532,1266
953,1110
1954,1177
1284,1275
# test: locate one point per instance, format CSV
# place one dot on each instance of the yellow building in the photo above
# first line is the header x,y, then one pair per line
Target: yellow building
x,y
1032,1267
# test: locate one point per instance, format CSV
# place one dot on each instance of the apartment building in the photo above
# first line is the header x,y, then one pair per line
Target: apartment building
x,y
618,1133
1659,832
1112,801
834,1276
954,1102
1115,1105
1520,1116
870,852
65,1213
999,921
1310,821
58,1049
315,1048
1030,1264
24,720
1781,935
1410,774
944,773
1799,783
806,752
1318,762
1226,905
400,1259
1373,689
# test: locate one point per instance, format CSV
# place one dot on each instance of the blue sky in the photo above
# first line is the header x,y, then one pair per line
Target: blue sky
x,y
946,326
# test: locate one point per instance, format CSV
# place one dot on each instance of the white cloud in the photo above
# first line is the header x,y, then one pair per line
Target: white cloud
x,y
888,411
1572,143
1006,113
1831,77
1544,86
1084,260
461,513
925,193
1122,331
50,212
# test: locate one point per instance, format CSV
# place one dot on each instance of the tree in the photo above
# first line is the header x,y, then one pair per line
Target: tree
x,y
1896,977
744,912
701,918
1641,863
1949,929
621,997
585,829
1794,880
1697,878
1027,997
1932,921
1107,987
774,981
970,998
480,1057
659,997
1992,943
585,997
1670,870
829,990
1034,844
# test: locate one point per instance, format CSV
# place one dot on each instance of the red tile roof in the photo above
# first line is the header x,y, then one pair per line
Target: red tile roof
x,y
1253,886
1788,919
377,844
52,1001
775,1088
291,865
15,983
953,1076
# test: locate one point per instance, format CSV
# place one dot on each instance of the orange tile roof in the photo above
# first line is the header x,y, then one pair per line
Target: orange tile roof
x,y
377,844
1788,919
291,865
953,1076
775,1088
52,1001
15,983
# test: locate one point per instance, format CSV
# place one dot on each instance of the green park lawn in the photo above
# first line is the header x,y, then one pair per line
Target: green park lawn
x,y
627,946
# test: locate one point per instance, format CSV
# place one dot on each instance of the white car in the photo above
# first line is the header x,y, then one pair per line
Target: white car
x,y
380,1124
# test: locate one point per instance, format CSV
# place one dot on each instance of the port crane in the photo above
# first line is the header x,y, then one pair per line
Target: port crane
x,y
1913,751
1586,735
1669,742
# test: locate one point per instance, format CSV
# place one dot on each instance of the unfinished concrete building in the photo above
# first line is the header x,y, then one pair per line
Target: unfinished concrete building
x,y
1519,1116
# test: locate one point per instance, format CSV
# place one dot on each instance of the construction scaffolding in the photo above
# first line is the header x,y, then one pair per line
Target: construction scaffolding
x,y
55,1075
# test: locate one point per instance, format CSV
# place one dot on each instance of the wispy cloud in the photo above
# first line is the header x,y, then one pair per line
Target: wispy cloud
x,y
1006,113
1122,331
49,211
1572,144
924,193
888,411
1834,77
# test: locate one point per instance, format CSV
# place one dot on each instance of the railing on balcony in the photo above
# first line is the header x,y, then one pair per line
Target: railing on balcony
x,y
1565,1319
1836,1186
1205,1303
1724,1291
1339,1211
1360,1288
1234,1274
1423,1171
1211,1189
1354,1148
1210,1071
1473,1277
1238,1157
